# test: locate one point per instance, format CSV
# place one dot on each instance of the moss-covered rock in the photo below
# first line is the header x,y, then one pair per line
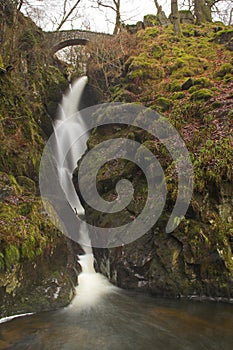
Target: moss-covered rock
x,y
195,259
142,67
223,36
223,70
45,282
148,34
150,20
178,95
30,82
201,95
164,104
156,51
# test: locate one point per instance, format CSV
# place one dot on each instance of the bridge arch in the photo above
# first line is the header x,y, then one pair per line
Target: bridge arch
x,y
71,42
60,39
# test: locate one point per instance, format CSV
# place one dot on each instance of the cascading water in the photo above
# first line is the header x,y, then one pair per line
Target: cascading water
x,y
92,285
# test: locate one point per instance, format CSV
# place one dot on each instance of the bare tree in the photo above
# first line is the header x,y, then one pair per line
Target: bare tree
x,y
66,14
175,17
114,5
230,17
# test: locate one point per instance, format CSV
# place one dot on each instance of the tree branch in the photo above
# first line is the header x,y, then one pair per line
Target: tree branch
x,y
68,15
106,5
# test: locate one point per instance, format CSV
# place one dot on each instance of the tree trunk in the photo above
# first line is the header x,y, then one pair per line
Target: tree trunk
x,y
157,5
175,17
202,11
118,17
230,18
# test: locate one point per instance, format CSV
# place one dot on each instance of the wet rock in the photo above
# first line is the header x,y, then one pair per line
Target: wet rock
x,y
45,283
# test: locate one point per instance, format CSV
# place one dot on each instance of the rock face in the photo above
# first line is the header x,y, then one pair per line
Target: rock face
x,y
46,283
194,260
166,76
37,268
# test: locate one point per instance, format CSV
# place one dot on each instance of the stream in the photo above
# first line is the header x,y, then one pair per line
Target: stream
x,y
124,320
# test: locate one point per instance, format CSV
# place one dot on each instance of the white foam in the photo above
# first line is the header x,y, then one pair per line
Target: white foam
x,y
92,286
9,318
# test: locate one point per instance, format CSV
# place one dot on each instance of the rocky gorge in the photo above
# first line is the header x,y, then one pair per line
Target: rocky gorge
x,y
190,81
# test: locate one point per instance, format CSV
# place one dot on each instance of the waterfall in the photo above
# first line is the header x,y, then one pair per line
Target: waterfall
x,y
91,285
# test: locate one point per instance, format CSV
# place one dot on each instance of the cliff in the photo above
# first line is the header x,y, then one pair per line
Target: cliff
x,y
189,80
37,267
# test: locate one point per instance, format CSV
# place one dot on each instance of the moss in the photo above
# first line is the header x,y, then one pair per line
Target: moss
x,y
156,51
150,20
123,95
27,40
178,95
2,262
1,62
27,184
143,68
214,163
179,63
203,82
174,86
148,34
12,256
184,72
185,12
194,89
164,103
228,78
201,95
223,32
223,70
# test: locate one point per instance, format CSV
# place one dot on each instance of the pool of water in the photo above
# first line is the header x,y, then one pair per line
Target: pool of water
x,y
124,321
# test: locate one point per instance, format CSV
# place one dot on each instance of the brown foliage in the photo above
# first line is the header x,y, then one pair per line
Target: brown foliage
x,y
107,59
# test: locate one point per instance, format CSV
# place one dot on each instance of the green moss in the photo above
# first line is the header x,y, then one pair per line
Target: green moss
x,y
164,103
27,184
223,70
28,248
12,256
228,78
156,51
150,20
2,262
185,12
201,95
123,95
178,95
214,163
184,72
179,63
173,86
203,82
27,40
143,68
1,62
223,32
148,34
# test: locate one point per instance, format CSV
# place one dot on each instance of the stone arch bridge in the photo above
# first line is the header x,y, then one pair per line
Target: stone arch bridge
x,y
60,39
